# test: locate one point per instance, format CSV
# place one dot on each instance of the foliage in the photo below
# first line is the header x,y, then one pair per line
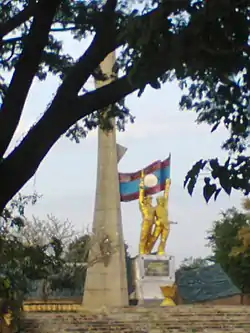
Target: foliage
x,y
70,278
246,205
74,271
243,234
76,258
192,263
223,239
21,262
38,231
40,253
129,269
78,249
159,40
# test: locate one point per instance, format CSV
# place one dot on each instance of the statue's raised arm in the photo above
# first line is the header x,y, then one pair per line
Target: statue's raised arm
x,y
141,190
166,191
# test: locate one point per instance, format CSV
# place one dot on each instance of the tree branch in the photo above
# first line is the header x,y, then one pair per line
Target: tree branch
x,y
66,95
63,29
17,20
12,40
67,108
100,47
62,114
25,71
225,52
116,90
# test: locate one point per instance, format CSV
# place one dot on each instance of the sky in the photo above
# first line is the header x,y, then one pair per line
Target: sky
x,y
66,178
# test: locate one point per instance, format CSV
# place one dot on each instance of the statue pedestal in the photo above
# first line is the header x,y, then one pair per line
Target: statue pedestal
x,y
151,272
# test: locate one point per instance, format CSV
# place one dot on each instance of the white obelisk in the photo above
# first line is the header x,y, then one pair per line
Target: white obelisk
x,y
106,284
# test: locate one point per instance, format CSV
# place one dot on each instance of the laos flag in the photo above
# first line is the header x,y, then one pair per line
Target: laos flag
x,y
129,182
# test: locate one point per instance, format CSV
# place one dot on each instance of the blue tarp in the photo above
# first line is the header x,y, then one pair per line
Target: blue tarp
x,y
204,284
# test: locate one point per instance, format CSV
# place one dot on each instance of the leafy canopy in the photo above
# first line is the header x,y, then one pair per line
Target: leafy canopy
x,y
193,263
223,239
204,44
22,261
38,256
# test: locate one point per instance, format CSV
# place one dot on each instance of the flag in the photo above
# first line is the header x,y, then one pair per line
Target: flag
x,y
129,182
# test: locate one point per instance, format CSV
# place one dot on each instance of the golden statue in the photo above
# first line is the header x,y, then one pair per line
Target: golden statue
x,y
162,225
148,216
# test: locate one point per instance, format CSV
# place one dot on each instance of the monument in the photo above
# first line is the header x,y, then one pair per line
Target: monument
x,y
154,273
106,282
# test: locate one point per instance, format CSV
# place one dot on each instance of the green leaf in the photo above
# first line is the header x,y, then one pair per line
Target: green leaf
x,y
214,164
192,175
224,178
191,185
155,84
6,283
140,92
227,162
208,191
214,128
217,192
226,185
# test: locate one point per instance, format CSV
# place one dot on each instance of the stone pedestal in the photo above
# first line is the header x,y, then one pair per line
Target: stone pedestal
x,y
151,272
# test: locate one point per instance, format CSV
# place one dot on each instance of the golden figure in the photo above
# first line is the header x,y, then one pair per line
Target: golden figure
x,y
162,224
148,216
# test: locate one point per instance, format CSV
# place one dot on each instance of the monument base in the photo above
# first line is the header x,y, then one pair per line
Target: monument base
x,y
151,273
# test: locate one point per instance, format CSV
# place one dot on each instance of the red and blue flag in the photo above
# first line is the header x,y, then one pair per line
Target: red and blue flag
x,y
129,182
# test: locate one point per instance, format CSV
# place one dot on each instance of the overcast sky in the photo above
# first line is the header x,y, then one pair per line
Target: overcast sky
x,y
67,176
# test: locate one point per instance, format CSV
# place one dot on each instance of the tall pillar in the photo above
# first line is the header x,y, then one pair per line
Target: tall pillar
x,y
106,284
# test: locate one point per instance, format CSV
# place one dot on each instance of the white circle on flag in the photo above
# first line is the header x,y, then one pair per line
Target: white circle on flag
x,y
150,180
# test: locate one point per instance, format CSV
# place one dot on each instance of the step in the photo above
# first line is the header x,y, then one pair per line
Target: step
x,y
184,318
